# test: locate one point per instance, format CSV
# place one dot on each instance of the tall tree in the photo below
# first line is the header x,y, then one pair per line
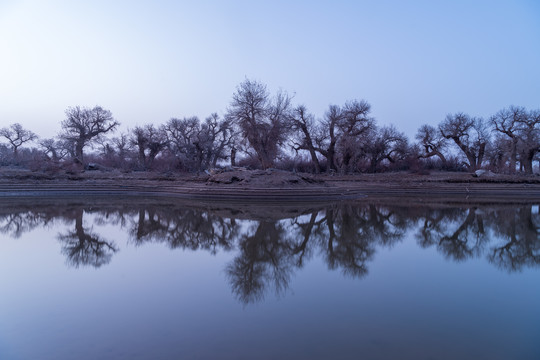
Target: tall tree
x,y
432,142
385,143
264,121
17,136
149,142
305,127
199,145
83,125
508,122
529,144
469,134
327,136
355,125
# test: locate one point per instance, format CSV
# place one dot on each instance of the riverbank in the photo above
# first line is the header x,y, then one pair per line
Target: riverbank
x,y
277,186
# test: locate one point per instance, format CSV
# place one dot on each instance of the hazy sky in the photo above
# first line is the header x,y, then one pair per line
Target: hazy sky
x,y
148,61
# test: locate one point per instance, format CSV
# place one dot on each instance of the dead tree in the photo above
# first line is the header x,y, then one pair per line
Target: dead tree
x,y
84,125
507,122
385,143
149,142
17,136
469,134
305,128
432,143
354,126
327,137
529,139
264,121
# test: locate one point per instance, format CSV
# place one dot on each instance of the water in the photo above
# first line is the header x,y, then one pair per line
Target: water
x,y
156,279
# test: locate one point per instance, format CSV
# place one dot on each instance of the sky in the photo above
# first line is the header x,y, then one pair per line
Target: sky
x,y
147,61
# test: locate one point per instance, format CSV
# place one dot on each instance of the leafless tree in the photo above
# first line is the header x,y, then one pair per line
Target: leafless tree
x,y
264,121
221,138
17,136
354,126
327,136
305,129
355,119
181,134
84,125
521,128
529,144
340,131
122,146
199,145
432,142
470,134
508,122
149,142
499,155
386,143
54,149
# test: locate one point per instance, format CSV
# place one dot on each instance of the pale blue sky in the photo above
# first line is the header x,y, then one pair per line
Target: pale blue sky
x,y
148,61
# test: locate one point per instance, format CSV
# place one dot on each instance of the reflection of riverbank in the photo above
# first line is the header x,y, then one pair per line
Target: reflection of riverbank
x,y
272,241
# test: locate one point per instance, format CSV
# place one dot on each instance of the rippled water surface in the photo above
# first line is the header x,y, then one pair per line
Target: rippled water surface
x,y
155,279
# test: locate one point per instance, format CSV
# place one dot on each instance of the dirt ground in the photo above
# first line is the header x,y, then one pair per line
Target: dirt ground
x,y
276,185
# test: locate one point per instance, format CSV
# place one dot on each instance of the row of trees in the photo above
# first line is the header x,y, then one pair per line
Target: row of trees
x,y
262,130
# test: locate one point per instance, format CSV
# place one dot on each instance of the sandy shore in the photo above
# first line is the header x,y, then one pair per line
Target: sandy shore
x,y
278,187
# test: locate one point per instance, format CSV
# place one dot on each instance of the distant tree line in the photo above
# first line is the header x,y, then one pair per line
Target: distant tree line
x,y
261,130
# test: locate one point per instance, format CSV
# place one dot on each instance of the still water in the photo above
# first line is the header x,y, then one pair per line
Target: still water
x,y
155,279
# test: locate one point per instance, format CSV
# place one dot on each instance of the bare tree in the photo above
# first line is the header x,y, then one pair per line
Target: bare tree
x,y
181,135
84,125
17,136
220,132
499,155
327,136
386,143
529,144
355,124
508,122
54,149
264,121
470,134
305,127
432,142
149,142
199,145
340,131
122,146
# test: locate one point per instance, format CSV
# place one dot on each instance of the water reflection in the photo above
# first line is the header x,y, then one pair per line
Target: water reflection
x,y
82,246
272,242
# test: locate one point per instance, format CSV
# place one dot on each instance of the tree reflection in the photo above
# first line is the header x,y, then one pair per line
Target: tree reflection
x,y
274,242
184,228
82,247
459,234
270,251
353,234
24,220
265,259
519,228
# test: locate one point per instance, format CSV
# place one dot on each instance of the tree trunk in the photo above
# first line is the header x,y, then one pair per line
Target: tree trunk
x,y
513,156
528,162
79,151
142,158
330,158
315,161
233,156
